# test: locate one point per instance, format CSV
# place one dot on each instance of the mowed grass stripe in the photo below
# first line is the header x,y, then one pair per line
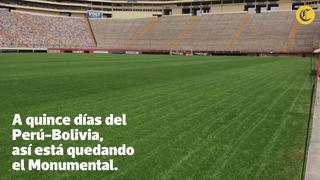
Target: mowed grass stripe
x,y
206,129
124,99
202,131
225,158
201,159
273,120
187,131
162,103
71,89
43,110
188,105
153,112
271,145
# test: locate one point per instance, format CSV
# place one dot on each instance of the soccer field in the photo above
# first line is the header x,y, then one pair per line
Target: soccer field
x,y
188,117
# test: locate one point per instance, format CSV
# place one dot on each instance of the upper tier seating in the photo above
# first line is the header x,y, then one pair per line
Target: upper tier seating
x,y
37,31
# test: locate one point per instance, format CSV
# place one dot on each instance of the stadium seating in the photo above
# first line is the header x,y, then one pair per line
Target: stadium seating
x,y
117,33
213,32
36,31
245,32
307,38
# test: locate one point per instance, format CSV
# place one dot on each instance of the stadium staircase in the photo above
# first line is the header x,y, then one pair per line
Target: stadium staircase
x,y
237,34
183,32
291,37
307,37
90,31
146,29
266,32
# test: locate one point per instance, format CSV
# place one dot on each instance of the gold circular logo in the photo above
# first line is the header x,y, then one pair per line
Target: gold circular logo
x,y
305,15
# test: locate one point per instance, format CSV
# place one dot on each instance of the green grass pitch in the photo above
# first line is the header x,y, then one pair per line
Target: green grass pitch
x,y
188,117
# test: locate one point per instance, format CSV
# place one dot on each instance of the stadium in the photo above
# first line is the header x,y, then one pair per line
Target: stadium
x,y
212,89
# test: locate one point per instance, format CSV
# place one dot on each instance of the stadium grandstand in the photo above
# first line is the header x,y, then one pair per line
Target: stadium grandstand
x,y
163,26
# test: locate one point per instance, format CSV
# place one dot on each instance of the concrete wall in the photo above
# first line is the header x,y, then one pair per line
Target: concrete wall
x,y
132,14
